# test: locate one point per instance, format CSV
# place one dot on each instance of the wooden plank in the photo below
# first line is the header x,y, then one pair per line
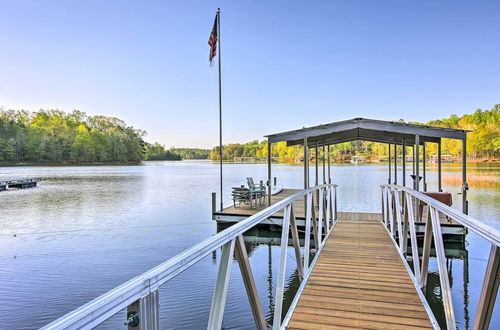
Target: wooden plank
x,y
359,281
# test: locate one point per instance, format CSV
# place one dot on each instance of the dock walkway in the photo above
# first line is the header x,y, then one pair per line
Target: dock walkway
x,y
359,281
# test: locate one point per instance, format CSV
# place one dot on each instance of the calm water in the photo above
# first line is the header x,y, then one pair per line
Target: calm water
x,y
85,230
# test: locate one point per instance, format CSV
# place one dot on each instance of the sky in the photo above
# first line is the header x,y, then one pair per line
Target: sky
x,y
285,64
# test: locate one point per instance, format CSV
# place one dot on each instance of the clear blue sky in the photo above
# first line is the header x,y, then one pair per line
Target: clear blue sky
x,y
286,64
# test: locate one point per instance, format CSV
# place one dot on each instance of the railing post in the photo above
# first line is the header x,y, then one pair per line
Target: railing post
x,y
335,202
307,238
390,209
248,280
328,208
220,292
404,200
443,272
321,215
413,238
296,242
489,291
426,251
402,236
280,282
144,314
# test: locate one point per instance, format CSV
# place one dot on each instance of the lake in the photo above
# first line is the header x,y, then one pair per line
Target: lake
x,y
86,229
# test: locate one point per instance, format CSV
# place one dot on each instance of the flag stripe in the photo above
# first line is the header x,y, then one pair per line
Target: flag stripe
x,y
212,41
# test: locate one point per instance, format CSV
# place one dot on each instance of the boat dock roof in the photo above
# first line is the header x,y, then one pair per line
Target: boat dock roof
x,y
368,130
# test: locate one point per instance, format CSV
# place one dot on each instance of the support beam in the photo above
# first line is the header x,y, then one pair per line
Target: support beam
x,y
221,284
316,181
269,178
324,165
296,243
389,161
280,281
440,187
465,186
417,166
329,176
413,162
249,281
424,156
489,291
395,163
404,163
306,172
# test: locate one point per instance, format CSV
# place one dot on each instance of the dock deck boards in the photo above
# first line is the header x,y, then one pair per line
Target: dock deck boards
x,y
359,281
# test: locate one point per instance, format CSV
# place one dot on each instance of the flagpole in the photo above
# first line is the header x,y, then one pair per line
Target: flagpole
x,y
220,108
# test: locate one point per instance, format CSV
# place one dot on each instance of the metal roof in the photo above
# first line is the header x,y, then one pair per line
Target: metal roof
x,y
368,130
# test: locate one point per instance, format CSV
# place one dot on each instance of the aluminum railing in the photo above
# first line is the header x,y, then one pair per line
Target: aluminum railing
x,y
140,295
399,214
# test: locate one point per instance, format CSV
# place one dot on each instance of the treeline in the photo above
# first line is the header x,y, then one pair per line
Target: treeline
x,y
156,151
54,136
482,142
191,153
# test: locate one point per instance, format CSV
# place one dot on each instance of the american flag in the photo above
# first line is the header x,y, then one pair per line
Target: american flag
x,y
212,41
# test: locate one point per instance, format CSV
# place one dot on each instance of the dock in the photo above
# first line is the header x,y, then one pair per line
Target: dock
x,y
359,281
19,183
231,214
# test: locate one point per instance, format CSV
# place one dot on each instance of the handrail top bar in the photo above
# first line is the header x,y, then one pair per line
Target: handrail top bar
x,y
101,308
487,232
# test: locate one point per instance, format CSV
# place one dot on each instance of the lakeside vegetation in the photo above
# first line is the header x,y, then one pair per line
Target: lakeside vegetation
x,y
54,136
482,142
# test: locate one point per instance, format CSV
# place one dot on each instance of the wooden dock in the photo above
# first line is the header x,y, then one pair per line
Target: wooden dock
x,y
359,281
232,214
18,183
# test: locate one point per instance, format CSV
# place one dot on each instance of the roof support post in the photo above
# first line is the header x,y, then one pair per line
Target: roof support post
x,y
465,187
316,181
324,165
389,161
395,163
424,155
404,162
269,178
306,172
440,188
413,162
416,160
328,152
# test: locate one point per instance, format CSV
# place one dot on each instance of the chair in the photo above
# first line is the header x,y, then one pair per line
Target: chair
x,y
242,195
258,192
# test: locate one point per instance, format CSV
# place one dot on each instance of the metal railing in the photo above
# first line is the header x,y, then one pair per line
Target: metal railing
x,y
399,214
141,296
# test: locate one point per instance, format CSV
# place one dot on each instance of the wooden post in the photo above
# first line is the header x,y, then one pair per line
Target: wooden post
x,y
214,197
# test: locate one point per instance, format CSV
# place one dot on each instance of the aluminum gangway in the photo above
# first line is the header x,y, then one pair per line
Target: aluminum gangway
x,y
352,256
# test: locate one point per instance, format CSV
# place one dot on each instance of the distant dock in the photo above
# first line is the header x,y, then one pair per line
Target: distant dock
x,y
19,183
